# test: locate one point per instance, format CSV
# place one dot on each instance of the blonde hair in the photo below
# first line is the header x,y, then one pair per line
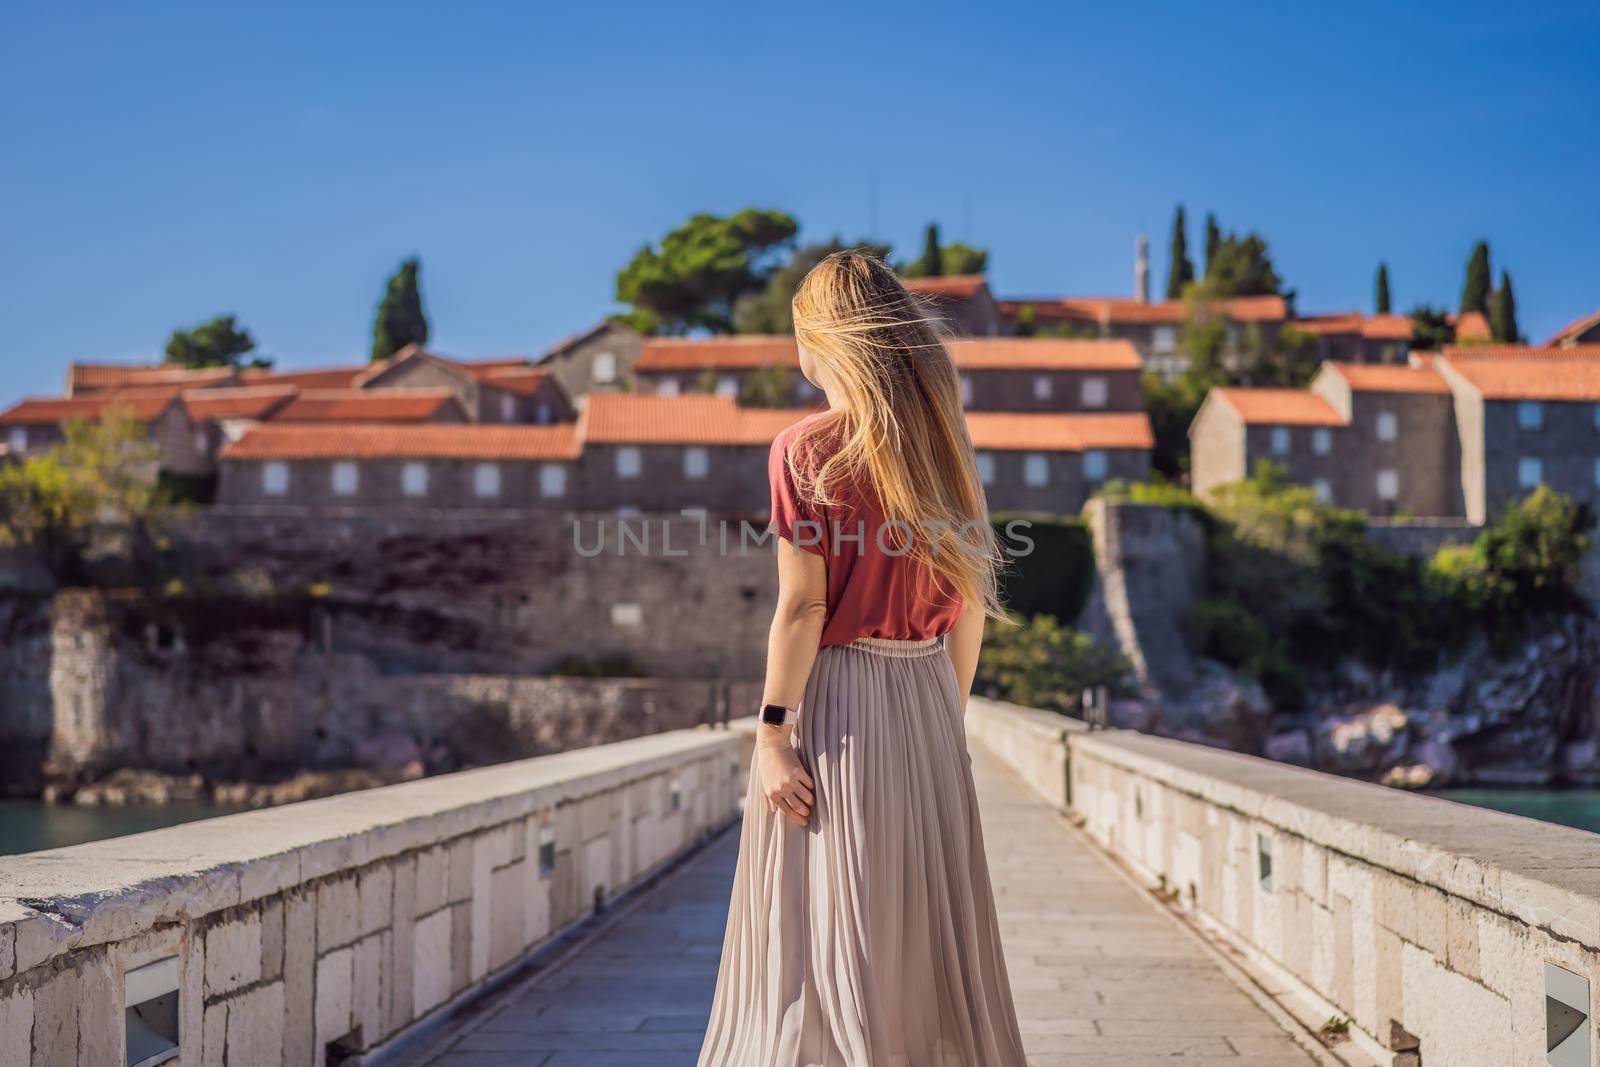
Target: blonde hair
x,y
897,422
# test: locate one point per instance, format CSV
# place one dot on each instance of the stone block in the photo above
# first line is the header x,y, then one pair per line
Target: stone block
x,y
461,952
8,951
1395,905
398,1004
214,1043
1461,937
272,940
377,894
99,1009
1314,874
233,955
255,1026
594,815
55,1021
367,989
460,884
192,996
432,880
1342,992
1431,921
507,915
1457,1020
335,989
299,976
16,1027
1390,979
338,913
430,962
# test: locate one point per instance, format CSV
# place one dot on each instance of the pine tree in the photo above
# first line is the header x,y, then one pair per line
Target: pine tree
x,y
401,320
1503,312
1213,238
1475,293
1383,289
1180,271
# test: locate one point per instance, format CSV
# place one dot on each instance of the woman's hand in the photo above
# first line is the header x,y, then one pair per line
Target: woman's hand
x,y
784,781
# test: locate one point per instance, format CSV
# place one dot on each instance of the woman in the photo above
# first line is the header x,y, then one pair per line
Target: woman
x,y
862,929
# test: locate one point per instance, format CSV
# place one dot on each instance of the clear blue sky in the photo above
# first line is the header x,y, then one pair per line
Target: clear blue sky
x,y
161,163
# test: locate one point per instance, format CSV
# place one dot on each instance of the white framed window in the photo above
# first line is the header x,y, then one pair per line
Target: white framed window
x,y
1036,470
1530,471
1388,485
414,479
1280,440
627,615
629,462
275,478
1042,387
508,408
1322,440
486,479
966,391
543,415
552,480
346,478
1095,392
667,387
727,386
18,438
1388,427
1095,465
1530,415
603,368
1324,490
1165,339
986,468
696,462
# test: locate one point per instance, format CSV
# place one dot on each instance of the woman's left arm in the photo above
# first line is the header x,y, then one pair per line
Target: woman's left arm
x,y
964,643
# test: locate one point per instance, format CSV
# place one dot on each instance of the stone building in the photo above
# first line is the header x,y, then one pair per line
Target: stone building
x,y
35,424
963,301
670,366
1584,330
598,360
1356,338
503,390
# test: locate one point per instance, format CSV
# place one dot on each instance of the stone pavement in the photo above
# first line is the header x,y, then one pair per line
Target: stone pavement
x,y
1101,977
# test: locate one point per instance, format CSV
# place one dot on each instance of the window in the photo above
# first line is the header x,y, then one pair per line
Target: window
x,y
1280,440
1321,441
543,415
1388,485
552,480
966,391
486,479
1530,471
18,438
695,463
1323,490
1597,472
604,368
1388,426
202,442
346,479
627,615
629,462
667,387
1165,339
1530,415
986,468
1095,392
1042,387
1095,465
414,479
1036,469
1597,416
727,387
275,479
508,408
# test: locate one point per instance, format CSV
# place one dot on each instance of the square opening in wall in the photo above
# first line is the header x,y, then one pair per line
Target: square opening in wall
x,y
547,851
1264,861
674,795
151,996
1566,1017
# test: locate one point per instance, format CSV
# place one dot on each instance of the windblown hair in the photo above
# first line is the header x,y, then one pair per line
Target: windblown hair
x,y
897,429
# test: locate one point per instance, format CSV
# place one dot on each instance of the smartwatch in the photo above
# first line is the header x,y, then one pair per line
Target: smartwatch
x,y
776,715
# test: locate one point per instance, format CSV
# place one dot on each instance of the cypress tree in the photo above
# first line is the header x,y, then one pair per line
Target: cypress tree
x,y
932,254
1503,312
1475,293
400,320
1180,271
1213,238
1383,289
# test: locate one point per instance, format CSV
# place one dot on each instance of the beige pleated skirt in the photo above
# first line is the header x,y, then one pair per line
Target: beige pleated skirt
x,y
868,938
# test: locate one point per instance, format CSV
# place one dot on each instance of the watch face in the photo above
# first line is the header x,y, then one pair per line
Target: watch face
x,y
774,714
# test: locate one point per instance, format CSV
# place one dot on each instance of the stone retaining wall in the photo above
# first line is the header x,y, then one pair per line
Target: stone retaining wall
x,y
1427,924
325,929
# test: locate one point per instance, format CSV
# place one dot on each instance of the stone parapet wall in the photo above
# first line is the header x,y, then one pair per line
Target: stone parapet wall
x,y
328,928
1411,916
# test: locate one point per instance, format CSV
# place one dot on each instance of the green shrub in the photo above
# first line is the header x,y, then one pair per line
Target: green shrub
x,y
1056,576
1039,663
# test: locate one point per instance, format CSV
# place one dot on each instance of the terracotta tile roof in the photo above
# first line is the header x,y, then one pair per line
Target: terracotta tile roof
x,y
718,353
1130,311
1388,328
1371,327
516,378
696,419
1279,407
313,377
1390,378
948,287
1009,431
141,404
1044,353
275,440
1576,328
1530,378
94,377
366,405
1472,327
243,402
1457,353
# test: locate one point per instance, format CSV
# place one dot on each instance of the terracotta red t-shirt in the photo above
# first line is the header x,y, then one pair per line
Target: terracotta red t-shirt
x,y
875,589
